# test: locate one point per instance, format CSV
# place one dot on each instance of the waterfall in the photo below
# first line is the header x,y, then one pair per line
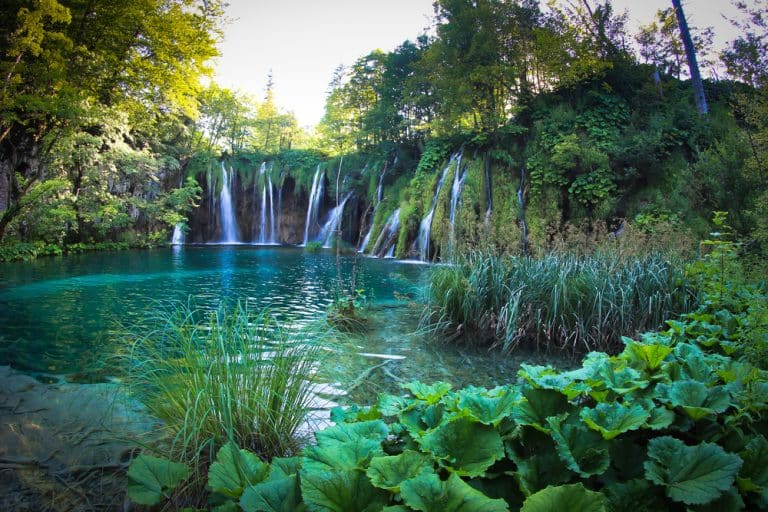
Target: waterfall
x,y
178,234
379,197
422,240
263,225
271,213
315,196
387,238
458,183
228,220
178,230
333,224
521,200
366,239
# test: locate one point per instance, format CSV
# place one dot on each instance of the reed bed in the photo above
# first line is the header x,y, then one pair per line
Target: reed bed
x,y
226,375
557,302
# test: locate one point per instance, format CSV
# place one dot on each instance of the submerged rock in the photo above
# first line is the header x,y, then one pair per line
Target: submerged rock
x,y
64,446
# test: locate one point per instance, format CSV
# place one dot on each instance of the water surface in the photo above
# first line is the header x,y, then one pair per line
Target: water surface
x,y
60,315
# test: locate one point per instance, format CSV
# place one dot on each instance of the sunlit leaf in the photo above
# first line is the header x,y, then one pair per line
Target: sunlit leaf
x,y
612,419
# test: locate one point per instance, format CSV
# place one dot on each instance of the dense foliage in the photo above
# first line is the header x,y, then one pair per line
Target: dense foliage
x,y
676,421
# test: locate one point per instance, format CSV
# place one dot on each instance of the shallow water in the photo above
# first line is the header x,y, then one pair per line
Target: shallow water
x,y
59,315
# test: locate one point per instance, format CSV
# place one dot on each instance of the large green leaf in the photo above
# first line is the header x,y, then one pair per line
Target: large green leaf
x,y
354,454
150,479
695,398
391,405
637,494
645,356
572,497
582,450
612,419
660,417
375,430
430,393
545,377
694,364
389,472
690,474
278,495
234,469
753,476
537,461
464,446
429,494
340,491
491,407
281,467
538,405
611,374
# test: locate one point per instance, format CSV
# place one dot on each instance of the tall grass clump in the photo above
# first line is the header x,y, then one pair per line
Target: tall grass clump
x,y
229,375
559,301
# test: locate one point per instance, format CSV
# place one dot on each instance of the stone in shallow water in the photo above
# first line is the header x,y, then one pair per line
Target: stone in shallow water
x,y
64,446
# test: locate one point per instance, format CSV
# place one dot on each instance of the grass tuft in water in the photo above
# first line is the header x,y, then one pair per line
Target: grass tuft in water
x,y
559,301
228,375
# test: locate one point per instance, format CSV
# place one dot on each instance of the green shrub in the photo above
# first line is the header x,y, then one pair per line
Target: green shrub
x,y
28,251
313,247
235,375
559,301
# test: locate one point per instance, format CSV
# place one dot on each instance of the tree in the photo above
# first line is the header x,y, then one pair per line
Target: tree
x,y
65,65
690,55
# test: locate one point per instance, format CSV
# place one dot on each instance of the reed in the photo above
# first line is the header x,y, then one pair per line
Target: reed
x,y
560,301
226,375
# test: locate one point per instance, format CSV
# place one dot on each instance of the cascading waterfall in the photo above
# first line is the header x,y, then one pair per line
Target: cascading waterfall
x,y
266,234
228,219
271,213
178,236
386,241
458,183
365,241
379,197
521,200
263,225
333,224
314,203
422,240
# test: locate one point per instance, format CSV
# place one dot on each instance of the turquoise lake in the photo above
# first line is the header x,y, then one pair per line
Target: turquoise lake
x,y
60,315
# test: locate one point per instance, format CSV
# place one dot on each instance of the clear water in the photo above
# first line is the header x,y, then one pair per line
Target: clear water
x,y
59,315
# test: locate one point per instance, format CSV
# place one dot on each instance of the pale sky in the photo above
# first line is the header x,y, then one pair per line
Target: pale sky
x,y
303,41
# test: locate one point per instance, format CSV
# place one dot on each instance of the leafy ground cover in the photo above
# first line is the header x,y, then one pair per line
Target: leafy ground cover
x,y
676,421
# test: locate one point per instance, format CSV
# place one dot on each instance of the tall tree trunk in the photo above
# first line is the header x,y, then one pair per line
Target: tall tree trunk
x,y
690,55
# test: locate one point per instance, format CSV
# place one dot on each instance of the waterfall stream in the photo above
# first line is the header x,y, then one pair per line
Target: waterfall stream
x,y
422,240
387,239
228,220
315,195
179,236
333,224
379,197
